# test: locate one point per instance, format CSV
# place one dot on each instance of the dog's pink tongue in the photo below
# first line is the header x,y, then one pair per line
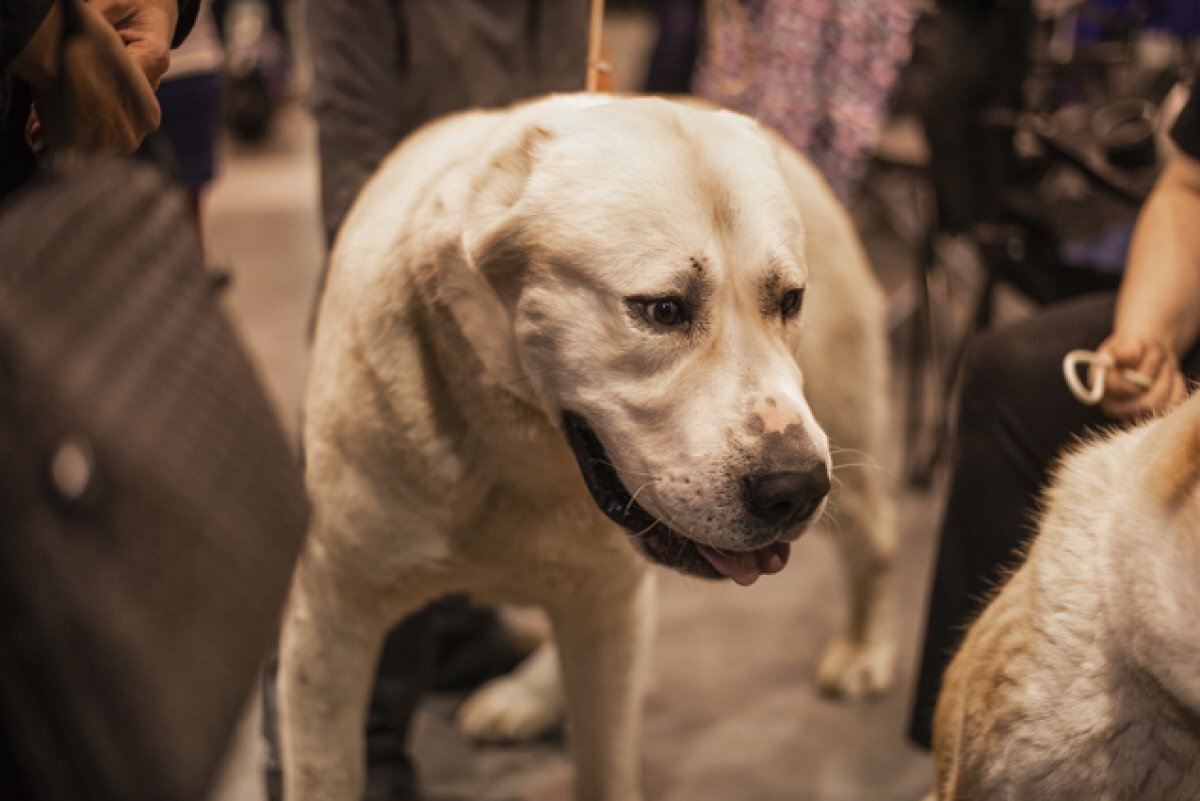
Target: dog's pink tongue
x,y
744,567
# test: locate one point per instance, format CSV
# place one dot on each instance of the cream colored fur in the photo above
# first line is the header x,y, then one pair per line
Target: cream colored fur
x,y
1081,680
479,290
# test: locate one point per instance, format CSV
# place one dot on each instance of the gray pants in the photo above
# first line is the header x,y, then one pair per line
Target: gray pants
x,y
385,67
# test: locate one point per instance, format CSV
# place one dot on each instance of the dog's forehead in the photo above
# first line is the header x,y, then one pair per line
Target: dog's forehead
x,y
651,145
693,181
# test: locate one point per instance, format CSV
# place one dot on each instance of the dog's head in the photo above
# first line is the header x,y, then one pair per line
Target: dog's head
x,y
652,264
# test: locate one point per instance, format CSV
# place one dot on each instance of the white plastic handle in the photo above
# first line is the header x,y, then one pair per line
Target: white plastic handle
x,y
1102,363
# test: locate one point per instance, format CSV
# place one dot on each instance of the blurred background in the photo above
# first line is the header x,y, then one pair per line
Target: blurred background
x,y
1014,143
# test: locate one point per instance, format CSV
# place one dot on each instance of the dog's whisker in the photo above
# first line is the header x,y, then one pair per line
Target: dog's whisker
x,y
626,471
644,531
683,541
828,520
870,459
836,450
870,465
633,497
845,465
841,449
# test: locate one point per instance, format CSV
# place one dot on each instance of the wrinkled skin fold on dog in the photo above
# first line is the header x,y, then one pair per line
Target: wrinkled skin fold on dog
x,y
561,342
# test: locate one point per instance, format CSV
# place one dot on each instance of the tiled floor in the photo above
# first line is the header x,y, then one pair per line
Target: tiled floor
x,y
732,713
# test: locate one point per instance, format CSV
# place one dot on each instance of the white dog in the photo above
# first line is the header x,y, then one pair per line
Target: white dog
x,y
1081,680
631,289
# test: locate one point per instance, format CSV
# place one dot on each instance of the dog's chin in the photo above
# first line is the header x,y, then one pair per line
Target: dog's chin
x,y
654,538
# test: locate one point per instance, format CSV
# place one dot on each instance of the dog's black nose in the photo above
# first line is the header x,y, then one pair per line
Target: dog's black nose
x,y
786,497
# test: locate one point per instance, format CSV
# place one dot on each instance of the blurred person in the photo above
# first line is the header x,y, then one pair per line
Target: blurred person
x,y
381,69
674,56
818,71
258,69
190,98
131,36
276,16
124,442
1016,414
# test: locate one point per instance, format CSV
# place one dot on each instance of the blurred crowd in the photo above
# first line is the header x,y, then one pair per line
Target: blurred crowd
x,y
1057,138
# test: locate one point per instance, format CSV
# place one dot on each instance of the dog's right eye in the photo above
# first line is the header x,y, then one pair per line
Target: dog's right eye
x,y
669,312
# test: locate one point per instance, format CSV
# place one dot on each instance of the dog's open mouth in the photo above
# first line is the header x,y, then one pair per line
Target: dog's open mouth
x,y
653,537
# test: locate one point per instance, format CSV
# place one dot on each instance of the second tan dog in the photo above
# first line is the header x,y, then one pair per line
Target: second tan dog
x,y
1081,680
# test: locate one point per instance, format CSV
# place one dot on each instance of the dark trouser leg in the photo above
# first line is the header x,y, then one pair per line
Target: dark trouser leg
x,y
1015,417
359,68
674,56
406,668
382,68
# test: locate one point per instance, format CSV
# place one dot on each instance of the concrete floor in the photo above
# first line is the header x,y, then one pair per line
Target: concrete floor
x,y
732,712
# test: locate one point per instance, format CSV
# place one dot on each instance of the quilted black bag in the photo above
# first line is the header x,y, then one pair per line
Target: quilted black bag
x,y
150,507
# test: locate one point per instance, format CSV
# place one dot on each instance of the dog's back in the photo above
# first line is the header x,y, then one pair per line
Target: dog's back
x,y
1082,679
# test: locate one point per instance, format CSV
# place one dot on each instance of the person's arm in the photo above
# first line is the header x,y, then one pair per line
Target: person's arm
x,y
1158,306
1161,291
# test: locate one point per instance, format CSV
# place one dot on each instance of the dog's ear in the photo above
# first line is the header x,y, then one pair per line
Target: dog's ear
x,y
1172,456
492,232
480,288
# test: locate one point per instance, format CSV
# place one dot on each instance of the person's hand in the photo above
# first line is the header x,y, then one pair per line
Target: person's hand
x,y
1152,358
146,28
105,103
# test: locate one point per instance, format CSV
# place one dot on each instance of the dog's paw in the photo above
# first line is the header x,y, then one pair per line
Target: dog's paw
x,y
509,710
856,670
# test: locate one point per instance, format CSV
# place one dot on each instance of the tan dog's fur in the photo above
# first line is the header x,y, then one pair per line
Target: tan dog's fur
x,y
479,289
1081,680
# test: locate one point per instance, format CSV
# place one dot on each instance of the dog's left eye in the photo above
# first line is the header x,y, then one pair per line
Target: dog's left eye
x,y
789,305
667,312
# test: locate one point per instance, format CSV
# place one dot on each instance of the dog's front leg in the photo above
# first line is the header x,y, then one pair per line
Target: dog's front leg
x,y
327,661
861,662
604,643
520,706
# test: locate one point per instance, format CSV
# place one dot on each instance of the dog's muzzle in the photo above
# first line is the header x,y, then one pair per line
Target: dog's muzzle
x,y
650,535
